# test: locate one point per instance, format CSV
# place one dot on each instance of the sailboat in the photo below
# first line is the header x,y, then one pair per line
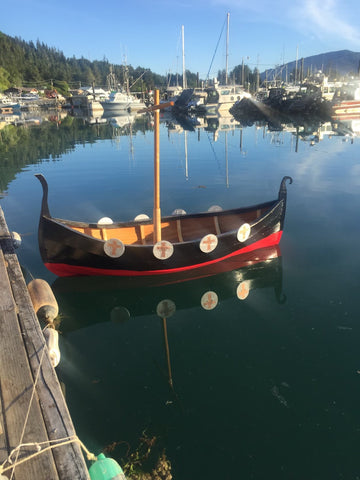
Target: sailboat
x,y
220,98
121,99
179,244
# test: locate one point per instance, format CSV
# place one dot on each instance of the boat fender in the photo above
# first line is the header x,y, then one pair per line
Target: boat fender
x,y
43,300
105,221
16,239
106,469
52,341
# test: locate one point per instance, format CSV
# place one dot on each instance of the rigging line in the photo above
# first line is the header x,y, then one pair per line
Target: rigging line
x,y
217,45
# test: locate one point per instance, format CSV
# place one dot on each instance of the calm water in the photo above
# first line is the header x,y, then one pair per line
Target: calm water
x,y
267,387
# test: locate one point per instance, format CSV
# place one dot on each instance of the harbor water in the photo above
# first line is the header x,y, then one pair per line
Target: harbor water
x,y
260,385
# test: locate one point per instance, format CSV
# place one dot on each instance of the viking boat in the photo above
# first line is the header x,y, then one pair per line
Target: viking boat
x,y
188,242
172,245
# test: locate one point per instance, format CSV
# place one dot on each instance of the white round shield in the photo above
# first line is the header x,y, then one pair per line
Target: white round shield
x,y
208,243
105,221
209,300
179,211
243,290
244,232
165,308
215,208
114,248
141,217
119,314
163,250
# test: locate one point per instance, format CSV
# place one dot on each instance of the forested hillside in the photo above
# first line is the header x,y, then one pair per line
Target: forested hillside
x,y
26,64
36,65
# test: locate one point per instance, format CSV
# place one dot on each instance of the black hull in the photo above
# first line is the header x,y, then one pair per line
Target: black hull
x,y
67,252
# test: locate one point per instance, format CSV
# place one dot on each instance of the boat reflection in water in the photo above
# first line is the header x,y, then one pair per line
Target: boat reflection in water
x,y
84,300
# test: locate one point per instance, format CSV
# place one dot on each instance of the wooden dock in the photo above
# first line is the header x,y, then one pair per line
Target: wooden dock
x,y
32,406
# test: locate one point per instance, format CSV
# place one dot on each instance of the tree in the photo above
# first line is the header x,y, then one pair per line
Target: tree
x,y
4,79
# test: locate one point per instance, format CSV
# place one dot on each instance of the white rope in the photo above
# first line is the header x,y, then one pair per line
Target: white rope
x,y
50,443
59,443
29,407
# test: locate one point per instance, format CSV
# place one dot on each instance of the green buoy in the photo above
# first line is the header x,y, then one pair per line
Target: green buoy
x,y
106,469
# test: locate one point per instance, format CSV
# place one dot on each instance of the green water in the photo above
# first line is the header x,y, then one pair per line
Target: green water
x,y
265,387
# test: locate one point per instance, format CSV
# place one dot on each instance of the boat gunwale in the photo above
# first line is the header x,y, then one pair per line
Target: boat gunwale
x,y
70,225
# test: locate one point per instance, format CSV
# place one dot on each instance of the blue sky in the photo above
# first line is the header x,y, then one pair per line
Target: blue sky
x,y
147,33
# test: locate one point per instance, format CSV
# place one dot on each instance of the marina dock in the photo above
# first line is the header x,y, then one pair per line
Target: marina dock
x,y
33,410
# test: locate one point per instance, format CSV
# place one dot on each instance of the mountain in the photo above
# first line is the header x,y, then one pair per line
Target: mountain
x,y
333,64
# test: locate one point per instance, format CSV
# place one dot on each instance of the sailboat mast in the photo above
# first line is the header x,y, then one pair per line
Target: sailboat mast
x,y
183,57
227,48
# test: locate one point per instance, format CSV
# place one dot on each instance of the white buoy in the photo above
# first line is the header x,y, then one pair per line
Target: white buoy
x,y
16,238
43,300
105,221
52,342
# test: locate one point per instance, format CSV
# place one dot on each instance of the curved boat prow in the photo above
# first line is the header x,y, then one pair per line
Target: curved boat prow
x,y
282,189
44,204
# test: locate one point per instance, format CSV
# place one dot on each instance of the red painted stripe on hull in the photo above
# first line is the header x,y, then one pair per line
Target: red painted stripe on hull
x,y
63,270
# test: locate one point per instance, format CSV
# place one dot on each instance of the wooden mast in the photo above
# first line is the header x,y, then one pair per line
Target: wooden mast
x,y
157,211
167,353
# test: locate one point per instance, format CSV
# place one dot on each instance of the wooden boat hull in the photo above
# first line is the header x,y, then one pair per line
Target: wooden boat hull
x,y
66,251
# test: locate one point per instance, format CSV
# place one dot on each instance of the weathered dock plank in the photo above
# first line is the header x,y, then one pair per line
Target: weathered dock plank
x,y
16,391
24,358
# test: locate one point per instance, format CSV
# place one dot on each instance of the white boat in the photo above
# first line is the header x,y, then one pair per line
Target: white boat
x,y
220,98
9,103
346,102
119,100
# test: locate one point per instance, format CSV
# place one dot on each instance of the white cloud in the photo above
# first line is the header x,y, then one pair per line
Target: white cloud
x,y
325,19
